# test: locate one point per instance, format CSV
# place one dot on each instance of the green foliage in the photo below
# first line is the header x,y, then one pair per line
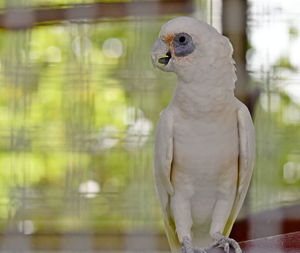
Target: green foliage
x,y
276,176
293,32
285,63
73,112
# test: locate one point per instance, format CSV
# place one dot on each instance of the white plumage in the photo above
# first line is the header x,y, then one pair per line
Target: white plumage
x,y
205,145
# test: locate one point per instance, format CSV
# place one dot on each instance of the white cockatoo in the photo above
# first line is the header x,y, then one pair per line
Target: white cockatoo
x,y
205,142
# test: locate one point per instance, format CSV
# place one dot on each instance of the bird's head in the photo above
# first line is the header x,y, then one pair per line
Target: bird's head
x,y
184,42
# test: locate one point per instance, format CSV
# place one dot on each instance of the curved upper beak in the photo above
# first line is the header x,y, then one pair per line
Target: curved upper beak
x,y
161,55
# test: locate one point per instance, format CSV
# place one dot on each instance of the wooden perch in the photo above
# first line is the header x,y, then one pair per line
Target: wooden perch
x,y
286,243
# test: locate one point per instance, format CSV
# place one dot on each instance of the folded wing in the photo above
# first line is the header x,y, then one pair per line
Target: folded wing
x,y
246,162
162,173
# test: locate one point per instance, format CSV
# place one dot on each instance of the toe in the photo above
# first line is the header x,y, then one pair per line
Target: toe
x,y
187,245
237,249
226,247
200,250
235,245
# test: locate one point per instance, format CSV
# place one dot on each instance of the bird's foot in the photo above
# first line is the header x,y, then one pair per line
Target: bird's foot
x,y
200,250
187,246
225,242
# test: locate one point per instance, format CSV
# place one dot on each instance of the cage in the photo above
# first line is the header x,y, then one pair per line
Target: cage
x,y
79,101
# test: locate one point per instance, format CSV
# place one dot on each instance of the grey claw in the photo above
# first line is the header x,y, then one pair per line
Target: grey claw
x,y
235,245
200,250
226,247
226,242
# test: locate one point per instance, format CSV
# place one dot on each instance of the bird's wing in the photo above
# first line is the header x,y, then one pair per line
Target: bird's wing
x,y
246,162
162,173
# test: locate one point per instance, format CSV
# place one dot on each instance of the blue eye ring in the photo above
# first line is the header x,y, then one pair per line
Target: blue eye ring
x,y
183,44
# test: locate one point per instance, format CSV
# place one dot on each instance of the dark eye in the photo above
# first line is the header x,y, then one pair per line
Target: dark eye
x,y
181,39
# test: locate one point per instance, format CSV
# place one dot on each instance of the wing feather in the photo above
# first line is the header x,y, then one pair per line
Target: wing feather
x,y
246,162
162,173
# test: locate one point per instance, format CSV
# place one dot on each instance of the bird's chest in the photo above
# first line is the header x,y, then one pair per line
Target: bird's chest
x,y
206,144
194,101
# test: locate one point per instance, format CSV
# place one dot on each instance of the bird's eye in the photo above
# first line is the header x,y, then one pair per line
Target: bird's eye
x,y
181,39
183,44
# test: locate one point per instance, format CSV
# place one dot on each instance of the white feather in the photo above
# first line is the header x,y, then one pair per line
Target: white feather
x,y
204,148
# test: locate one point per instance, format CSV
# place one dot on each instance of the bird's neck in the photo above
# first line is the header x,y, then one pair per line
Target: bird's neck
x,y
208,88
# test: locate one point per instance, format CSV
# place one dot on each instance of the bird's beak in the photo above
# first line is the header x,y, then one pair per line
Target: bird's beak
x,y
161,56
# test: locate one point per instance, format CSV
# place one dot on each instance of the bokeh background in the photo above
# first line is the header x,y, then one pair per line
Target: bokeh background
x,y
79,101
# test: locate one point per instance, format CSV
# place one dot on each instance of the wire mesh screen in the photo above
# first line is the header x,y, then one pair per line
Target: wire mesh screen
x,y
79,101
273,63
76,124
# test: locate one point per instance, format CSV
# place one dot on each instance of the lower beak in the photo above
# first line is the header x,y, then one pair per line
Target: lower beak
x,y
165,59
160,54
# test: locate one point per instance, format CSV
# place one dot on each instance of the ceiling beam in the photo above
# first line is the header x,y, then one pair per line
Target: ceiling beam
x,y
26,18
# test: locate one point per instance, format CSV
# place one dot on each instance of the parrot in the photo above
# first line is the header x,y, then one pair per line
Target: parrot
x,y
204,147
